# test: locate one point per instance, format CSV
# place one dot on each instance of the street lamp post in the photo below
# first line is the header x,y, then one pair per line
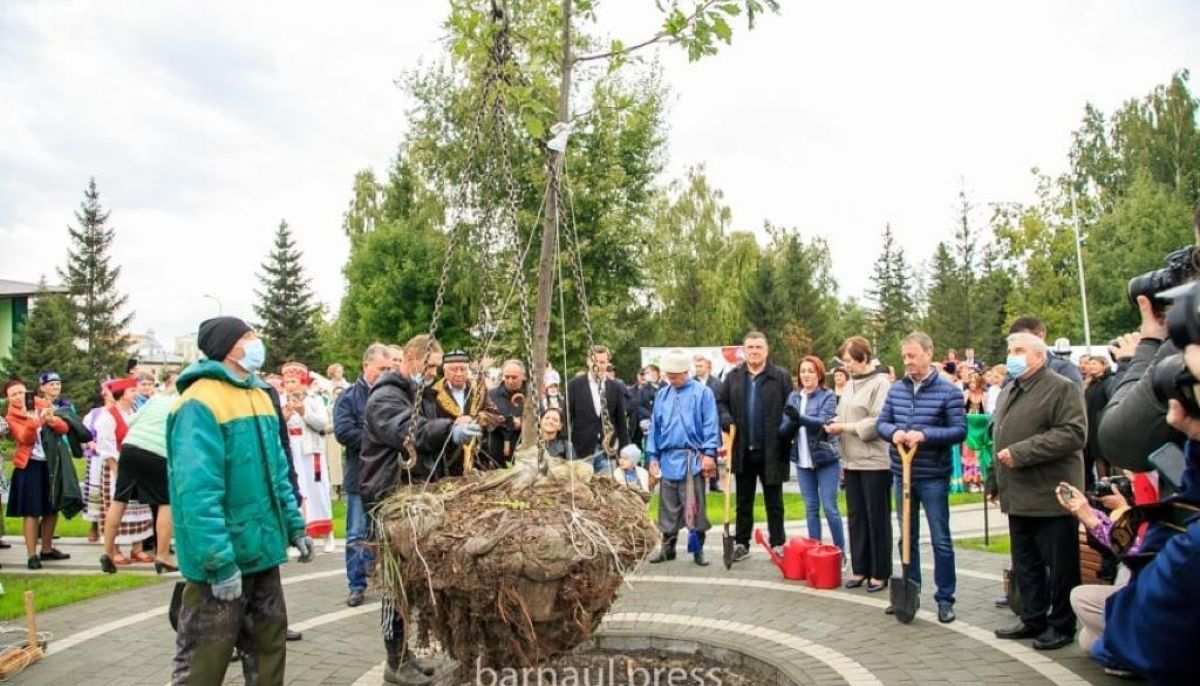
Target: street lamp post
x,y
220,310
1087,329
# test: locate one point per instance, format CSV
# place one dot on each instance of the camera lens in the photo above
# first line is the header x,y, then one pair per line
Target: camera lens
x,y
1173,381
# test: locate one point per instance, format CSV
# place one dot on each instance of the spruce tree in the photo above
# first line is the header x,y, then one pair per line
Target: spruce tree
x,y
92,283
45,342
967,264
893,305
944,316
287,305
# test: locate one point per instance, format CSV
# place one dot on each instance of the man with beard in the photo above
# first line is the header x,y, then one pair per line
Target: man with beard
x,y
509,401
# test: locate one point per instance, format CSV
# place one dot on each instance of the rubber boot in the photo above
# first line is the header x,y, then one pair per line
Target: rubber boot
x,y
699,557
666,551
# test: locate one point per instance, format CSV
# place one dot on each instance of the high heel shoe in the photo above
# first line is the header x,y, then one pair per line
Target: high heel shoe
x,y
855,583
161,567
875,588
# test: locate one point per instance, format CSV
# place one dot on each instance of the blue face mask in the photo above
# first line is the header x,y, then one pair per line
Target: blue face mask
x,y
254,354
1016,365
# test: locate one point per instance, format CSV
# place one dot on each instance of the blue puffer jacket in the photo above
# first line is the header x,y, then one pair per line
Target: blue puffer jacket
x,y
822,408
935,408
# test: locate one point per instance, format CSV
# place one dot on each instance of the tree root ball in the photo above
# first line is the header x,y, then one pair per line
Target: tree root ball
x,y
511,567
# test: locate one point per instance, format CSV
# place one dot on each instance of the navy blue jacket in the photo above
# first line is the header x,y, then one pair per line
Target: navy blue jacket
x,y
349,418
935,409
822,408
1152,625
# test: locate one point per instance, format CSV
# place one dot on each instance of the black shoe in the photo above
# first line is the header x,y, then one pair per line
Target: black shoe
x,y
107,565
407,674
740,552
237,655
889,610
664,554
354,599
945,612
161,567
1051,639
855,583
700,558
53,554
1019,630
34,563
875,588
5,545
293,635
1001,601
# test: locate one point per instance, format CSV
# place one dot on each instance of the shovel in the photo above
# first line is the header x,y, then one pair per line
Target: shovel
x,y
726,537
905,593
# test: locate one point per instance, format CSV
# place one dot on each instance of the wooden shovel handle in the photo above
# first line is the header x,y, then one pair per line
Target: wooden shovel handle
x,y
907,453
31,619
730,438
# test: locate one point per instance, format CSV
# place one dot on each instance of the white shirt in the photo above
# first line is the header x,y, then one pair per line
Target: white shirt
x,y
989,399
802,437
460,397
38,453
594,385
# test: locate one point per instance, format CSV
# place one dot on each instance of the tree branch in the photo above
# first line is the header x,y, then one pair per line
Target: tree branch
x,y
691,19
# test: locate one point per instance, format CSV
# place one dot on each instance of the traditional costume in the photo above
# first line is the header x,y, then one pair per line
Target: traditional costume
x,y
306,431
111,426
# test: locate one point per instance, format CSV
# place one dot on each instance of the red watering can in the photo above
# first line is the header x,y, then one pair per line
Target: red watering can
x,y
792,563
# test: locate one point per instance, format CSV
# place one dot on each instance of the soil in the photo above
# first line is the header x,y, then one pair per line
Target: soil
x,y
511,567
608,668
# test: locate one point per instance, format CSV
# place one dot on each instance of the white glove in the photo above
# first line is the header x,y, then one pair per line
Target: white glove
x,y
644,425
462,433
305,545
229,589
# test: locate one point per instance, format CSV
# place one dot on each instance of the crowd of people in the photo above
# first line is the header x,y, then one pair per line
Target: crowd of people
x,y
235,465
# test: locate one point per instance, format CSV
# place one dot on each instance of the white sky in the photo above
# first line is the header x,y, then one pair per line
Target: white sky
x,y
206,123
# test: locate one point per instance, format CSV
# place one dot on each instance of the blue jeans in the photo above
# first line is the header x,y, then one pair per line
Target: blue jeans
x,y
934,494
358,555
819,486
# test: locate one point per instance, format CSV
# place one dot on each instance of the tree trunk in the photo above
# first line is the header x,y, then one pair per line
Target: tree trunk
x,y
541,321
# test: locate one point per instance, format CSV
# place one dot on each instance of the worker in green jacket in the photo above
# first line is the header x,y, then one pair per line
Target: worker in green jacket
x,y
234,511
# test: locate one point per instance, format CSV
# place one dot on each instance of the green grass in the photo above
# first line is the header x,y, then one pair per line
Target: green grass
x,y
996,544
793,505
52,591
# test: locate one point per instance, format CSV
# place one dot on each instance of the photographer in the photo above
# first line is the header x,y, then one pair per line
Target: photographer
x,y
1135,420
1152,625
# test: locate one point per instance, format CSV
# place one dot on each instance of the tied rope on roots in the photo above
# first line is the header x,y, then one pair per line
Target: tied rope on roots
x,y
510,567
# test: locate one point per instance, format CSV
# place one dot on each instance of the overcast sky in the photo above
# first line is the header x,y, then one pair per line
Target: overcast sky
x,y
206,123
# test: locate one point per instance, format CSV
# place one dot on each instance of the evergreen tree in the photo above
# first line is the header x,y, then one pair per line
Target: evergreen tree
x,y
893,305
966,263
286,305
46,341
92,283
943,304
992,316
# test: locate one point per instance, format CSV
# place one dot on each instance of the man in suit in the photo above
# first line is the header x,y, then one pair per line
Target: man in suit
x,y
752,398
585,393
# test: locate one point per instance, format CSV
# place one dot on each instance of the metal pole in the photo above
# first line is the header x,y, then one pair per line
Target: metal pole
x,y
1087,329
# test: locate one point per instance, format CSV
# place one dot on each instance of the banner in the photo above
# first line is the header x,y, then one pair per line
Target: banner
x,y
723,358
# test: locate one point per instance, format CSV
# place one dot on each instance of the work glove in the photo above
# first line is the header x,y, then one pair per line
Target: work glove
x,y
644,425
463,433
305,545
230,589
792,413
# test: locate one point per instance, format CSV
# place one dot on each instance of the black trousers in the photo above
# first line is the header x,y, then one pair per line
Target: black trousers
x,y
747,483
869,509
1045,556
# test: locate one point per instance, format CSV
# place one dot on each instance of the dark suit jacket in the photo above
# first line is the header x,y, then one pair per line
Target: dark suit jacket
x,y
731,404
584,424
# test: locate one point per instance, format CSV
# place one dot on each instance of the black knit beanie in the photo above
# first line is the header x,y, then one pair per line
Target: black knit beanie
x,y
218,335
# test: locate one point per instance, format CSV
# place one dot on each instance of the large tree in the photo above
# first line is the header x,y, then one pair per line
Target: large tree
x,y
286,305
92,283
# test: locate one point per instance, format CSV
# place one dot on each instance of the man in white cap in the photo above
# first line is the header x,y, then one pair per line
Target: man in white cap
x,y
681,447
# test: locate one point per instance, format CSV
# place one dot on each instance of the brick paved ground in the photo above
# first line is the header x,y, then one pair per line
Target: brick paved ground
x,y
811,637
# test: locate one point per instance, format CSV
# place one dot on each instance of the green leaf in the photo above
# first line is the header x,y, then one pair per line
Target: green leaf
x,y
533,125
617,46
731,8
721,28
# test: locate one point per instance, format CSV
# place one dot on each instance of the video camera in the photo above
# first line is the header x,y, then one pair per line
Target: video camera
x,y
1111,485
1179,268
